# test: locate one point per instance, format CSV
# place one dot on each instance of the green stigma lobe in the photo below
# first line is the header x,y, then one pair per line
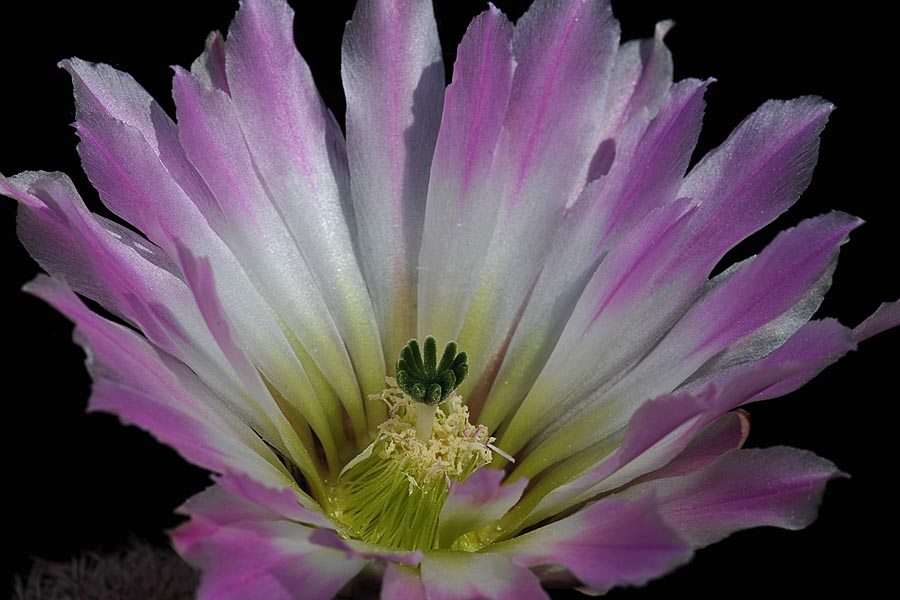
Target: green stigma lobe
x,y
426,380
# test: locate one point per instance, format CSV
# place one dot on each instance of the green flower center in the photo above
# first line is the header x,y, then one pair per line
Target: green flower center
x,y
392,493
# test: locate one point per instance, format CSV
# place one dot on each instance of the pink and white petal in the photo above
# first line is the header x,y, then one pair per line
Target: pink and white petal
x,y
129,172
639,81
290,435
448,575
209,67
478,501
462,200
611,207
145,387
254,339
780,487
212,139
248,551
658,431
287,502
110,105
816,345
216,507
125,273
70,243
834,340
143,187
726,433
743,309
610,543
784,285
254,228
649,444
105,96
608,211
102,92
584,362
300,153
354,548
755,175
133,183
237,497
792,128
264,559
885,317
564,51
124,135
656,434
394,83
131,179
632,189
228,508
401,583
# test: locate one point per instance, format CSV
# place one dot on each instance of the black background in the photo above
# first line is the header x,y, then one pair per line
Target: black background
x,y
76,481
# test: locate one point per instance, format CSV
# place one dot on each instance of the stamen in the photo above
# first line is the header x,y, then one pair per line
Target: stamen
x,y
505,455
393,492
424,379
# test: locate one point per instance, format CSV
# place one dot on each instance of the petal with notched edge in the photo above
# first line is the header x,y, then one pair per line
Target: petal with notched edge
x,y
607,544
779,486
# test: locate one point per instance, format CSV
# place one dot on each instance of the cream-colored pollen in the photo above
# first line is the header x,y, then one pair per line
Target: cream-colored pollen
x,y
393,492
455,449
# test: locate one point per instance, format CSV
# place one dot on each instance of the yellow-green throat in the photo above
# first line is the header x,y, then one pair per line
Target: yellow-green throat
x,y
392,493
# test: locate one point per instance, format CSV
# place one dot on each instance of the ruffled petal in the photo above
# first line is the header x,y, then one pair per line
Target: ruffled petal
x,y
651,159
108,263
780,487
145,387
129,150
638,83
589,353
815,346
780,139
784,285
450,575
133,279
210,67
286,502
657,432
886,317
723,435
126,162
772,295
247,552
665,426
610,543
394,83
754,176
102,92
